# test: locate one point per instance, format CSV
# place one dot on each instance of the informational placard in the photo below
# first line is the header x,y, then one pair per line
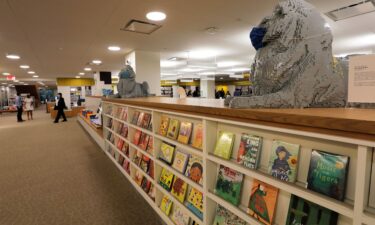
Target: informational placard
x,y
361,87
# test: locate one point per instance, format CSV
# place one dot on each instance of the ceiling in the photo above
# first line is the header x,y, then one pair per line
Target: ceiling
x,y
57,38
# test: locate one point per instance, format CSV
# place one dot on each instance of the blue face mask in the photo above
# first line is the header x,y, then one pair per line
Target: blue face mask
x,y
256,36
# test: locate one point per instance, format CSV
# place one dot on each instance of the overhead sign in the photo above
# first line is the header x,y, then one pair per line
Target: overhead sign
x,y
361,85
11,77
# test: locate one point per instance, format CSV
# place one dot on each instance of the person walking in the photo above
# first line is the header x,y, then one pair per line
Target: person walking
x,y
29,107
60,106
19,105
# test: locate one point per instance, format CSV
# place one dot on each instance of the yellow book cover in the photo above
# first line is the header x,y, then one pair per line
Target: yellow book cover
x,y
166,205
179,189
195,202
185,132
166,152
224,145
180,161
198,136
166,179
174,126
163,129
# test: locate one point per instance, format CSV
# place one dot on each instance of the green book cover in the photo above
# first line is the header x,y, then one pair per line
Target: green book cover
x,y
302,212
327,174
249,151
283,161
229,184
225,217
224,144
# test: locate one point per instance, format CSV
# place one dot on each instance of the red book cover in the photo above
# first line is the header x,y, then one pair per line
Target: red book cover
x,y
143,142
137,137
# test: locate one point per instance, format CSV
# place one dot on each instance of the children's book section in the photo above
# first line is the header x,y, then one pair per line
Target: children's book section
x,y
194,170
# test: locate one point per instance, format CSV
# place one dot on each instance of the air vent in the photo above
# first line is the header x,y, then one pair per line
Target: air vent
x,y
353,10
141,27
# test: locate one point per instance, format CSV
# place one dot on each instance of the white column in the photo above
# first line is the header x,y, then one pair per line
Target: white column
x,y
231,89
146,65
207,88
174,90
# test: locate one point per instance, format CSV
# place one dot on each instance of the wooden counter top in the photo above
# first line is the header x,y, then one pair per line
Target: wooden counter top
x,y
348,122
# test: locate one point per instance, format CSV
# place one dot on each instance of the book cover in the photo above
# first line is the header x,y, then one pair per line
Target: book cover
x,y
179,189
327,174
166,152
302,212
195,203
146,184
166,179
166,205
121,160
138,177
150,146
151,169
140,119
124,115
137,137
185,132
126,166
150,126
262,202
224,145
125,149
145,163
180,161
146,120
124,131
197,141
120,144
135,117
249,151
194,169
163,129
137,158
174,126
152,192
119,128
283,161
225,217
229,184
179,216
143,141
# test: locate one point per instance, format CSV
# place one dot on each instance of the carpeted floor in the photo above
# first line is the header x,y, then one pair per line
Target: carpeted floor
x,y
55,174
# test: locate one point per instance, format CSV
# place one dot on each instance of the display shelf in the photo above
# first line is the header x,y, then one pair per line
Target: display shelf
x,y
118,135
140,128
181,176
179,145
368,219
330,203
141,150
175,201
94,133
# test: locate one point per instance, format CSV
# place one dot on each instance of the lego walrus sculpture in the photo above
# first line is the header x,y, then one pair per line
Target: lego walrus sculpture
x,y
293,66
127,86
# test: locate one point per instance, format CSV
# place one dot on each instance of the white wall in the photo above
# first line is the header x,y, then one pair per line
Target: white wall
x,y
65,91
207,88
231,89
99,86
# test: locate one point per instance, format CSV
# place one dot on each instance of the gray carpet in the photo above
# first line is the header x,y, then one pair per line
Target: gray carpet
x,y
55,174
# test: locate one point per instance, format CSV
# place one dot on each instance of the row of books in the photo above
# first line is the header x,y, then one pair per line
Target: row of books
x,y
121,113
327,172
144,141
187,164
177,214
181,131
142,119
179,189
144,163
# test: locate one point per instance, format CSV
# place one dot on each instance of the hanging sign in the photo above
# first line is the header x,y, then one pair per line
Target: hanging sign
x,y
11,77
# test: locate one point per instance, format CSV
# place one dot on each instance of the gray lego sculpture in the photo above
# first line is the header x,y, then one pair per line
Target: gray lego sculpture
x,y
127,86
294,66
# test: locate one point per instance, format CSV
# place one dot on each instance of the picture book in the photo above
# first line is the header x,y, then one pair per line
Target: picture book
x,y
124,131
145,163
138,177
121,160
150,146
225,217
146,184
166,205
163,129
224,145
120,144
137,137
194,169
166,179
302,212
283,162
143,141
229,184
119,128
116,155
179,189
135,117
327,174
262,202
180,161
179,216
195,203
151,169
146,120
152,192
140,119
185,132
124,115
249,151
174,126
137,158
150,126
166,152
126,166
197,140
125,149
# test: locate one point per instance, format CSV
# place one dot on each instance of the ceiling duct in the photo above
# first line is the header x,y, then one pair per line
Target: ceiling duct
x,y
142,27
352,10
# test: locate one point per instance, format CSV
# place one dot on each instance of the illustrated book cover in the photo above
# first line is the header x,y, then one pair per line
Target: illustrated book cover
x,y
174,126
146,184
225,217
152,192
166,179
138,177
179,216
166,152
143,141
140,119
194,169
166,205
180,161
185,132
229,184
145,163
224,145
137,137
197,140
195,203
163,129
249,151
135,117
179,189
146,120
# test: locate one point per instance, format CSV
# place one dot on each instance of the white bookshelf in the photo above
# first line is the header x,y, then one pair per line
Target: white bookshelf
x,y
353,210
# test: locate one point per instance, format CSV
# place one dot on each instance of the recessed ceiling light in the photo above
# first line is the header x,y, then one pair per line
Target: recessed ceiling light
x,y
31,72
81,73
114,48
16,81
4,83
78,77
25,84
35,76
13,56
87,69
6,74
24,66
156,16
97,62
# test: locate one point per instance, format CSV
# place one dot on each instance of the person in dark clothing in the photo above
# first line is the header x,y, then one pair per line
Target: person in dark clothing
x,y
19,104
60,108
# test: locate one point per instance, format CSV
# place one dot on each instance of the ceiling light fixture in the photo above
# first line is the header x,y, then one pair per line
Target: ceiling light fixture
x,y
97,62
78,77
156,16
81,74
87,69
6,74
16,81
31,72
24,66
35,76
13,56
114,48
